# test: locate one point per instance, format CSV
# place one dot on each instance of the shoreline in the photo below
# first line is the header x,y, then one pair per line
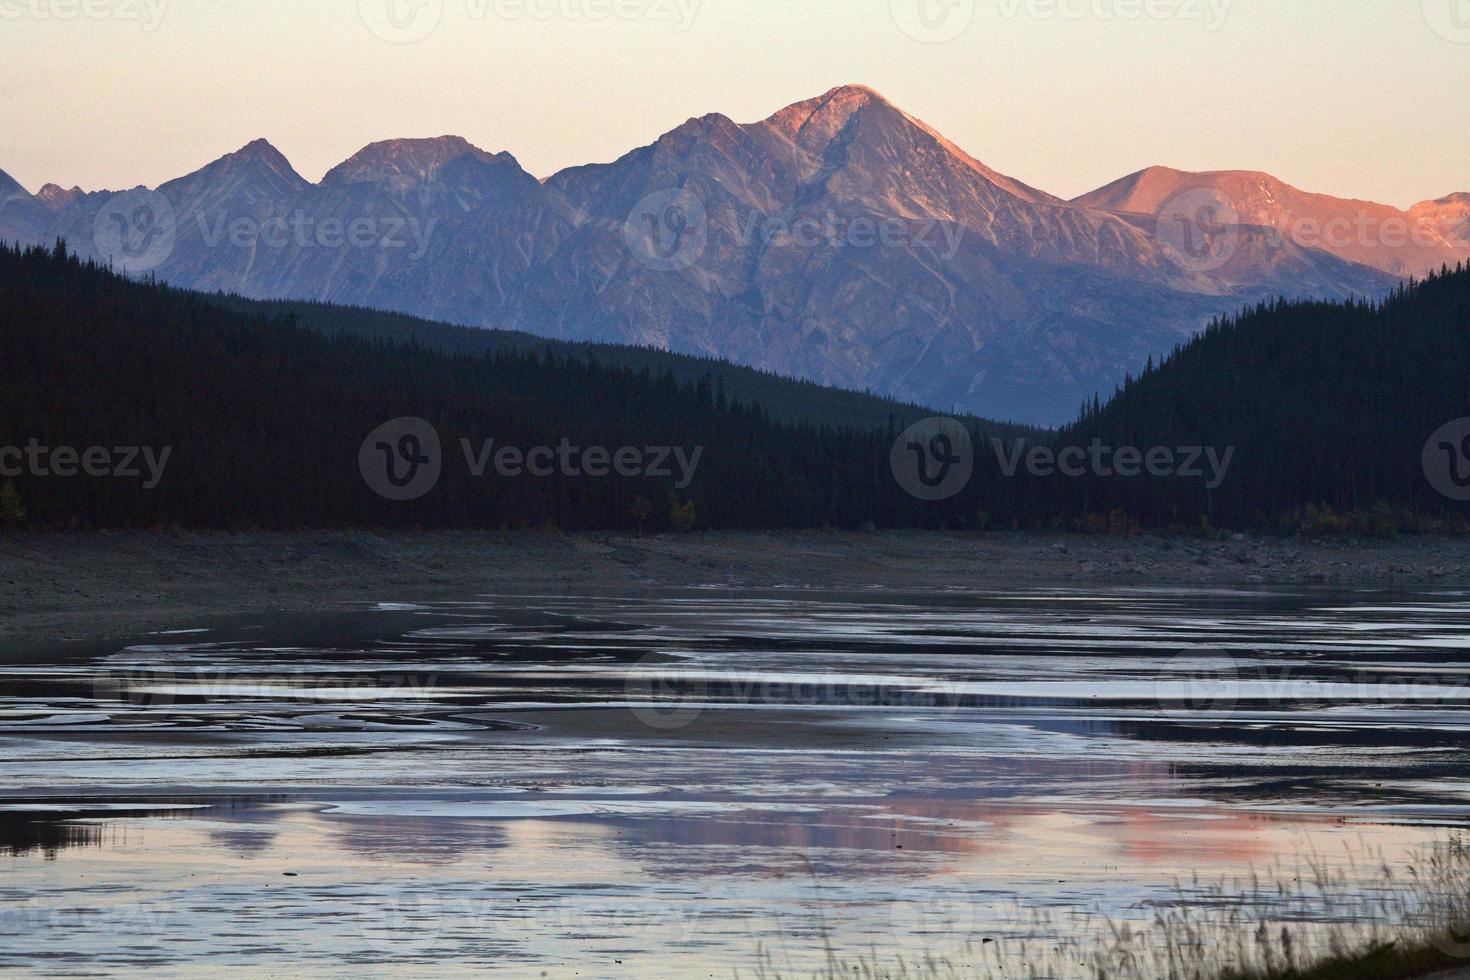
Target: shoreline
x,y
94,585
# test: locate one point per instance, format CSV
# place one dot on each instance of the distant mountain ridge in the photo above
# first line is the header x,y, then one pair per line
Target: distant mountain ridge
x,y
840,240
1401,243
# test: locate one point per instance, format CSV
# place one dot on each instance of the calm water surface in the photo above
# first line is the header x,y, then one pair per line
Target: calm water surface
x,y
658,784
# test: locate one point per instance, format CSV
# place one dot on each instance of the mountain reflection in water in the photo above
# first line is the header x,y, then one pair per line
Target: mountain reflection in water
x,y
652,784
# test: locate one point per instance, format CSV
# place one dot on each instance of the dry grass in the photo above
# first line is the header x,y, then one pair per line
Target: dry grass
x,y
1315,922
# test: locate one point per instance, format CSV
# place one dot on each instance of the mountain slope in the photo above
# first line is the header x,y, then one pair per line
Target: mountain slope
x,y
987,294
1401,243
840,240
22,217
783,399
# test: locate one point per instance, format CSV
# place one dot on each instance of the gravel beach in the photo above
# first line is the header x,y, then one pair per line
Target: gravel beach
x,y
80,586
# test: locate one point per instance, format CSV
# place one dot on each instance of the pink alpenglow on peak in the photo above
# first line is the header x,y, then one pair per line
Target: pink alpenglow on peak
x,y
405,162
840,240
1401,243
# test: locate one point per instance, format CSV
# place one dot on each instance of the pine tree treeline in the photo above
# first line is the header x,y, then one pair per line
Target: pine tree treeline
x,y
1327,405
266,418
785,399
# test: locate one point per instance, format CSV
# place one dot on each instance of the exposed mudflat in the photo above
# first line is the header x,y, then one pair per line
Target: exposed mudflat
x,y
87,585
656,781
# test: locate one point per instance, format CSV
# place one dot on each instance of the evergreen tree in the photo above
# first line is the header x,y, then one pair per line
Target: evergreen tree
x,y
12,509
640,510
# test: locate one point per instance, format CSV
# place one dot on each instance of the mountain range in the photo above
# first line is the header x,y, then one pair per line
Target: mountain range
x,y
841,240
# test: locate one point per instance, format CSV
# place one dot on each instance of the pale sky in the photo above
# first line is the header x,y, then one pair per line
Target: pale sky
x,y
1357,98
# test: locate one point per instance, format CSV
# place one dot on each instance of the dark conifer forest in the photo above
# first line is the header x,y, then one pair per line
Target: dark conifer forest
x,y
1329,407
783,398
265,407
265,419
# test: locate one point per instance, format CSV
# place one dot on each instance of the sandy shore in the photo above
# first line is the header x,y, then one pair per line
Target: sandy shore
x,y
93,585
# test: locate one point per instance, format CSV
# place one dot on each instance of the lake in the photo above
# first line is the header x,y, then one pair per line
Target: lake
x,y
666,783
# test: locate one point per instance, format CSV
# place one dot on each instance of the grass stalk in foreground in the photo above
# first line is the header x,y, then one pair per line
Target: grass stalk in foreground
x,y
1320,923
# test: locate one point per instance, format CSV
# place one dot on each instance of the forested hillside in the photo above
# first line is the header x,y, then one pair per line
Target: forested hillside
x,y
1327,404
265,419
784,399
1313,408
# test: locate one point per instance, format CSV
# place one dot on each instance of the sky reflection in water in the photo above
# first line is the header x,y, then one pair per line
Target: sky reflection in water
x,y
654,784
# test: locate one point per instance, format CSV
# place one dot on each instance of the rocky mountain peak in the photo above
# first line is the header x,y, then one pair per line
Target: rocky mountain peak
x,y
406,162
819,119
260,154
57,197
